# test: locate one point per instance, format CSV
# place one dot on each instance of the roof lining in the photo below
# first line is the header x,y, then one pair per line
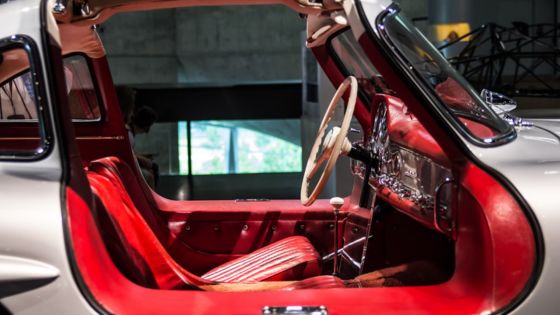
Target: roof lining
x,y
101,10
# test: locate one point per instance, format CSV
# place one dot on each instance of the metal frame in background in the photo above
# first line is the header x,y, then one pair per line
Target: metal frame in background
x,y
504,59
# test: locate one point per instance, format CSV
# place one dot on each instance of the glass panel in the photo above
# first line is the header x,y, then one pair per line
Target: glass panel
x,y
18,104
224,146
241,146
183,148
355,62
82,95
453,90
160,146
259,152
17,98
210,148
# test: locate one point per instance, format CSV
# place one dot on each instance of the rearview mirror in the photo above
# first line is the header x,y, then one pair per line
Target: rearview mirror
x,y
500,103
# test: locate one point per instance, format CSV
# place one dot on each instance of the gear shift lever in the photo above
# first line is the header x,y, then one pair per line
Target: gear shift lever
x,y
336,203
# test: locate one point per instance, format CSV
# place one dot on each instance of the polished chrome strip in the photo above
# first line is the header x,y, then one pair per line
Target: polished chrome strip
x,y
356,242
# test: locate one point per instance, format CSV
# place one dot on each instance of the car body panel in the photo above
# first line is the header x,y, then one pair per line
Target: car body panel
x,y
31,232
532,164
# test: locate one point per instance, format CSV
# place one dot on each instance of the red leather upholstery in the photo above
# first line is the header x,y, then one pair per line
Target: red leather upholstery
x,y
122,176
320,282
291,258
140,249
146,255
405,129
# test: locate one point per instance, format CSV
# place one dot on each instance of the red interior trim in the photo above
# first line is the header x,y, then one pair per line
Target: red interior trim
x,y
489,273
489,270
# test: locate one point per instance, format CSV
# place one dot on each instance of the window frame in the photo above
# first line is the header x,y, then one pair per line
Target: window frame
x,y
379,33
46,138
74,120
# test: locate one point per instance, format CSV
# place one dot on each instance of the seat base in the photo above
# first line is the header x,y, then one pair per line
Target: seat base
x,y
292,258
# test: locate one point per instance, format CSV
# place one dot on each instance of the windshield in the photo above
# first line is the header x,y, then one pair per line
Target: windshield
x,y
353,61
458,96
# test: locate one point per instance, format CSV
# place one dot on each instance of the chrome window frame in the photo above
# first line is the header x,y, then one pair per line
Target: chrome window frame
x,y
429,92
46,137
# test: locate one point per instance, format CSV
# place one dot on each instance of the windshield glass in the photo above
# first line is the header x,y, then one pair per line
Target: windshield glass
x,y
458,96
353,60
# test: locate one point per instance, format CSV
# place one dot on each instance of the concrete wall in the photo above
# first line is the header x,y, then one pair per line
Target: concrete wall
x,y
215,45
141,47
204,45
505,11
250,43
414,8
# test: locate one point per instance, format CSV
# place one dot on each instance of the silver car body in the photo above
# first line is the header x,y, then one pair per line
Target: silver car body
x,y
32,240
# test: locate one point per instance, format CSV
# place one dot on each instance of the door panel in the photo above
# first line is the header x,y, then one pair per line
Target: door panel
x,y
37,277
204,234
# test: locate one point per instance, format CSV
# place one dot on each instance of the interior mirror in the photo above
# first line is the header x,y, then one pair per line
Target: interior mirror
x,y
500,103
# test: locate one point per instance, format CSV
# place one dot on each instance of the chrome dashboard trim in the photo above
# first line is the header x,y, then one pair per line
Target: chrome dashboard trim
x,y
417,179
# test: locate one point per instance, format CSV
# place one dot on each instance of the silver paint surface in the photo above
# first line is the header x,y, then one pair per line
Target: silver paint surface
x,y
31,224
532,164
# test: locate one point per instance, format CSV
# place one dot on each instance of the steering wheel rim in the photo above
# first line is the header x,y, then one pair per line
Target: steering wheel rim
x,y
333,141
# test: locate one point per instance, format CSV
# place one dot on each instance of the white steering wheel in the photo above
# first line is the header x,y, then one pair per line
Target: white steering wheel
x,y
329,145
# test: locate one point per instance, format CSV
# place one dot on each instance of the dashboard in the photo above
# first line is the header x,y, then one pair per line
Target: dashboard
x,y
412,173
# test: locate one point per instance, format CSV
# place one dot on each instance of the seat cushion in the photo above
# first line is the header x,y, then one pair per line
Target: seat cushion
x,y
292,258
319,282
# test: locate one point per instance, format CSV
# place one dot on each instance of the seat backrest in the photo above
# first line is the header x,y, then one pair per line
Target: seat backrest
x,y
119,171
141,255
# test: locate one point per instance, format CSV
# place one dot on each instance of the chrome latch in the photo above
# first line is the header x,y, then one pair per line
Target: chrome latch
x,y
295,310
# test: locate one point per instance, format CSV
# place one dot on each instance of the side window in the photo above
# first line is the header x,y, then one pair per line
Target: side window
x,y
223,147
23,131
17,98
242,147
82,96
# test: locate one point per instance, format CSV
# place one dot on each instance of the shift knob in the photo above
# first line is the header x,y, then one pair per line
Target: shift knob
x,y
336,203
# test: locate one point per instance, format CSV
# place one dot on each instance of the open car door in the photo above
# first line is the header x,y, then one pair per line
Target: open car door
x,y
35,273
54,254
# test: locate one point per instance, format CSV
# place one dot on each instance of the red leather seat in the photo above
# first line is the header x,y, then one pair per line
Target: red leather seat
x,y
291,258
143,258
319,282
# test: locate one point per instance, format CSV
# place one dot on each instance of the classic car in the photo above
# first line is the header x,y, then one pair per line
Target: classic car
x,y
453,203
